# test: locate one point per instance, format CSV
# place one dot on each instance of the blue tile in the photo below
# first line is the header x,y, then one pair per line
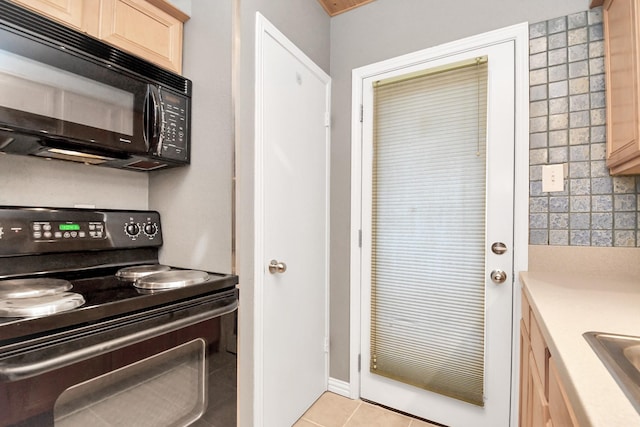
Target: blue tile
x,y
624,220
602,238
538,221
624,238
579,221
602,221
577,20
601,185
580,203
624,184
557,25
559,204
602,203
538,237
559,221
539,204
579,170
579,237
559,237
625,202
538,29
579,186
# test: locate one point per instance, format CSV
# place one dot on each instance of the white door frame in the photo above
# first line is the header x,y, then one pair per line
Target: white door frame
x,y
264,29
520,35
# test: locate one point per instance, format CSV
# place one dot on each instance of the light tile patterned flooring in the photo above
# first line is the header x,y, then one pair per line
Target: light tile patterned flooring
x,y
332,410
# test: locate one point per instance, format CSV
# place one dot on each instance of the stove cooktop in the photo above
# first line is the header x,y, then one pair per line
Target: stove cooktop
x,y
107,296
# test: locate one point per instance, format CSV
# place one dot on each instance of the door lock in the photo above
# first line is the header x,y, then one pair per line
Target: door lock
x,y
498,276
498,248
277,267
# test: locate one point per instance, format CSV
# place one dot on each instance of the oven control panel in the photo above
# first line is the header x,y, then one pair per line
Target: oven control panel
x,y
37,230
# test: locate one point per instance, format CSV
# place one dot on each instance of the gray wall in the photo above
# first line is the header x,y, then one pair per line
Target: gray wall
x,y
29,181
377,31
307,25
195,202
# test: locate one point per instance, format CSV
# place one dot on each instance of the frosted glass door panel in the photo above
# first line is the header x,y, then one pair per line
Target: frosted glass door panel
x,y
34,87
428,232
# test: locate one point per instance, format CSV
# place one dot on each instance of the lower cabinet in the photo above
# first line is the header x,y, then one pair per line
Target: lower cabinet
x,y
543,400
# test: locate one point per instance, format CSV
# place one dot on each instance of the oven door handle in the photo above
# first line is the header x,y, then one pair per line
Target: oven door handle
x,y
13,368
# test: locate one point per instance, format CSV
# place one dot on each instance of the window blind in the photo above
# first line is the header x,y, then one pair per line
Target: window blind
x,y
428,231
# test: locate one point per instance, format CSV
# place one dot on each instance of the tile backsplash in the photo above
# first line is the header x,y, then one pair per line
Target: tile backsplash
x,y
567,125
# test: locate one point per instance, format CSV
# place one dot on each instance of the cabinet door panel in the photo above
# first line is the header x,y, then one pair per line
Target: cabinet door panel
x,y
539,408
142,29
621,61
68,12
559,408
525,349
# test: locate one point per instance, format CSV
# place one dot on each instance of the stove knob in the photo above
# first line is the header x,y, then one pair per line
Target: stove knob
x,y
150,229
132,230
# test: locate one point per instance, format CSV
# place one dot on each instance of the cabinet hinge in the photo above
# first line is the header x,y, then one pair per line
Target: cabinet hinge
x,y
361,113
359,238
326,344
359,362
327,119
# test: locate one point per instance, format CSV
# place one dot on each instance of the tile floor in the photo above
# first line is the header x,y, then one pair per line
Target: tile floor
x,y
332,410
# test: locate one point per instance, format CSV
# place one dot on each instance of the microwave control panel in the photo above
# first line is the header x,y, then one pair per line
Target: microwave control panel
x,y
175,127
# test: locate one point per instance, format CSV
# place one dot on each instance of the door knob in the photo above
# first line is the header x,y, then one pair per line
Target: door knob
x,y
498,276
277,267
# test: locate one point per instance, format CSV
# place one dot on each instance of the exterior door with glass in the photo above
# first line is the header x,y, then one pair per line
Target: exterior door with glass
x,y
437,194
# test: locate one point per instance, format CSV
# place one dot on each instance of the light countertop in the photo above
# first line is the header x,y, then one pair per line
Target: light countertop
x,y
569,304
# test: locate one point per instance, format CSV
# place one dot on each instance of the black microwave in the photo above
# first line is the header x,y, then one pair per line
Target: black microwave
x,y
69,96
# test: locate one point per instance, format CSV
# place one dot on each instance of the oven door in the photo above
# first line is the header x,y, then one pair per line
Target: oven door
x,y
153,369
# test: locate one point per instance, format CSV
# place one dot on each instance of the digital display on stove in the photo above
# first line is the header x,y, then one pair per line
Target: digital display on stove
x,y
69,227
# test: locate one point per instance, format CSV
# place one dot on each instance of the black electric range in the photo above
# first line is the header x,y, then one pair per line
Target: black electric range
x,y
87,248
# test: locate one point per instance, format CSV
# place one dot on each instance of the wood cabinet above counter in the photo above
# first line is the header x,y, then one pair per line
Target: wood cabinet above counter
x,y
622,55
150,29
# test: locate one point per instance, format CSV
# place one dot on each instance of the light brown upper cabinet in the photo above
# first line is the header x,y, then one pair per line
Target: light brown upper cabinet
x,y
71,13
143,29
151,29
622,44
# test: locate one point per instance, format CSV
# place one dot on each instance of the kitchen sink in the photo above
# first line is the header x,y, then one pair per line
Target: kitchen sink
x,y
621,355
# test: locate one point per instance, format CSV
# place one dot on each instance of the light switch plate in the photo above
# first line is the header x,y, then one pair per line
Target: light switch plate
x,y
553,177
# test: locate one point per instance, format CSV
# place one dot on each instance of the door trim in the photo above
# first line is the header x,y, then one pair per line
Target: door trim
x,y
520,35
265,29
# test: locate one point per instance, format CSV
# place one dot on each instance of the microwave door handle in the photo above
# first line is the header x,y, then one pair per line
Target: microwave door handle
x,y
159,123
152,125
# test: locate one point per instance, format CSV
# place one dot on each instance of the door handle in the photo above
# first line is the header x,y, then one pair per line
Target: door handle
x,y
277,267
498,276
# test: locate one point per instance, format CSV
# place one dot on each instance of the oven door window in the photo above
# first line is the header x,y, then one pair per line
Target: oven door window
x,y
167,389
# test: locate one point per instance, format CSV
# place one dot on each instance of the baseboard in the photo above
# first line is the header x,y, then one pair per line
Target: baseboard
x,y
340,387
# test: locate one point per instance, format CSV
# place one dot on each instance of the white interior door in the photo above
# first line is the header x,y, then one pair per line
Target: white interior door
x,y
494,410
292,228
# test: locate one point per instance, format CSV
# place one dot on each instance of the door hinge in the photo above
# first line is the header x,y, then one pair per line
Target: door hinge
x,y
361,113
326,344
327,119
359,238
359,362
